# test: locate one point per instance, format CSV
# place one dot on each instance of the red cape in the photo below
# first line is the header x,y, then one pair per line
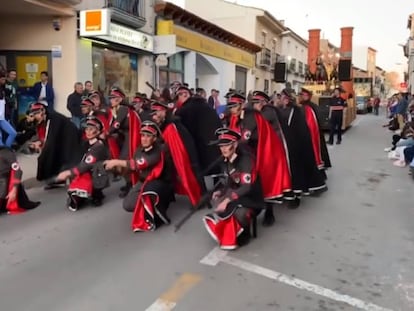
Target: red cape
x,y
138,218
13,207
271,161
313,126
187,183
134,138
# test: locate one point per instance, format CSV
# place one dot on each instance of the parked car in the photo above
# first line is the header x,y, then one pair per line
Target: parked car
x,y
362,104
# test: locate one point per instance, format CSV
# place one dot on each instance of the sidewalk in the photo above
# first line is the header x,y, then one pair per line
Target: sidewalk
x,y
28,163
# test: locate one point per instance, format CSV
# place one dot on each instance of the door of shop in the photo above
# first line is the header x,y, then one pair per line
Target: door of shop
x,y
28,65
241,77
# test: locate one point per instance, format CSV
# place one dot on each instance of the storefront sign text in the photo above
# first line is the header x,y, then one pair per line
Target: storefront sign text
x,y
129,37
200,43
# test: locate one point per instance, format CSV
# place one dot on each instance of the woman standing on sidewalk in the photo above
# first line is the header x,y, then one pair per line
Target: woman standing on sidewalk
x,y
5,126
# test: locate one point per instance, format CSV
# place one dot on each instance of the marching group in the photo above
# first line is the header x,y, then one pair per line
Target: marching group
x,y
258,153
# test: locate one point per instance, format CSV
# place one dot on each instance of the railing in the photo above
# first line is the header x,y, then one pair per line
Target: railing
x,y
130,12
265,57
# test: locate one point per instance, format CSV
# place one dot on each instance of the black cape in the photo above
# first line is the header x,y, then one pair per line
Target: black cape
x,y
201,121
324,149
62,149
305,174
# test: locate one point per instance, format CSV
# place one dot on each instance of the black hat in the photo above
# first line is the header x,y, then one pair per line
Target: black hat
x,y
117,92
86,101
286,92
183,88
149,127
93,94
226,136
92,121
235,99
259,96
158,106
36,106
306,91
140,98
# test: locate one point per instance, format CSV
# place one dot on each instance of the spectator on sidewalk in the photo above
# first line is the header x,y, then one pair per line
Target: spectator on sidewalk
x,y
5,126
74,102
11,97
43,91
88,88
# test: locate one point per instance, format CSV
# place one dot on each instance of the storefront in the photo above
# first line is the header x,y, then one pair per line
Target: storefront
x,y
115,55
206,56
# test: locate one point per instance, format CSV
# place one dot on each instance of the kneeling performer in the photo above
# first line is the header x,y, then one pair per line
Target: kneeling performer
x,y
82,187
151,196
239,200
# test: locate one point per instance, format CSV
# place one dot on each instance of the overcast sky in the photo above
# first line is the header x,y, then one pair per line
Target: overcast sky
x,y
379,24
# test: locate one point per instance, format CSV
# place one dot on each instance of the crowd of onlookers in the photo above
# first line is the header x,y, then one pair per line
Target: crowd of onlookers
x,y
400,111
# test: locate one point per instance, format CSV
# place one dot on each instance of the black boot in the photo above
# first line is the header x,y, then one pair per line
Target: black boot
x,y
72,203
125,190
269,217
97,197
293,204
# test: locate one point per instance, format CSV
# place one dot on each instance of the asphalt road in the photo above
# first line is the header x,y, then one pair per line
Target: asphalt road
x,y
351,249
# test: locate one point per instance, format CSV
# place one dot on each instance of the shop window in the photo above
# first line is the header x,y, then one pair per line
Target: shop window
x,y
266,86
174,71
113,68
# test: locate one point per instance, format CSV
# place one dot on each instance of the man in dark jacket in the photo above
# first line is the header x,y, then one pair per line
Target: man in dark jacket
x,y
43,91
74,102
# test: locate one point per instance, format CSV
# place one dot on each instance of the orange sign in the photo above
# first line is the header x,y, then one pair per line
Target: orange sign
x,y
93,20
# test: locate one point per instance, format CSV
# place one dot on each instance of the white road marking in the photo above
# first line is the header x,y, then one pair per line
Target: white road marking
x,y
216,256
161,305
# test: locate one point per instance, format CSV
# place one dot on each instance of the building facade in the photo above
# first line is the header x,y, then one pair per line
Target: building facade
x,y
409,53
205,55
278,42
45,36
40,36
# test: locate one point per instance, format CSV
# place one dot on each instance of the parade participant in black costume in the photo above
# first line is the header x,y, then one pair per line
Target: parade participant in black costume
x,y
142,105
125,128
82,187
311,110
59,143
151,196
182,150
271,160
306,177
13,197
239,199
202,122
337,106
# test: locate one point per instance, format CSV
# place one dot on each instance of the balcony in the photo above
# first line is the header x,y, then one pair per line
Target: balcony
x,y
265,59
128,12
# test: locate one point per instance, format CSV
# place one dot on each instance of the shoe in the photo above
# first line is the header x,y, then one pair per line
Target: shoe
x,y
387,149
124,193
269,218
329,142
294,204
399,163
338,142
96,202
71,204
32,205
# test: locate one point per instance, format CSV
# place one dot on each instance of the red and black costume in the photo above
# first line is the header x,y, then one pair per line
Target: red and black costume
x,y
10,177
150,197
320,150
183,153
271,161
82,187
306,177
61,143
201,121
126,126
231,228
